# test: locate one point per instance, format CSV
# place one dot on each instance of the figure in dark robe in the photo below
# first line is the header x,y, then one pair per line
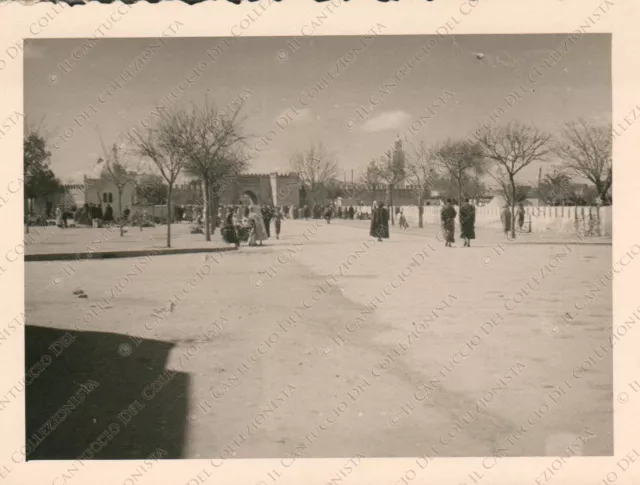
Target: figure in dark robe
x,y
448,220
379,222
520,216
307,212
267,214
327,214
505,217
467,223
108,214
351,212
228,229
277,219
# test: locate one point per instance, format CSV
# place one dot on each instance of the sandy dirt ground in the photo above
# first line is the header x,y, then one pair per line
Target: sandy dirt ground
x,y
326,343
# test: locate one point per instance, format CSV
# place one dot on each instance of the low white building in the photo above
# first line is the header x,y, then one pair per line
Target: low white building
x,y
101,191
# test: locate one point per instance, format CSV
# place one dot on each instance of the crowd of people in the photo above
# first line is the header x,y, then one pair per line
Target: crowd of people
x,y
252,223
327,212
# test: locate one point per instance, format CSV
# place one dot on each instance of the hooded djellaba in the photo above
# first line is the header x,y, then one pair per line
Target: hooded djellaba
x,y
379,222
259,231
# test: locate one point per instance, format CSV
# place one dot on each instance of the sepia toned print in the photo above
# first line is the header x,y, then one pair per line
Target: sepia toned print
x,y
366,246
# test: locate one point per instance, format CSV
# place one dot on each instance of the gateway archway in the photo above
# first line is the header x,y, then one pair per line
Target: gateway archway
x,y
249,197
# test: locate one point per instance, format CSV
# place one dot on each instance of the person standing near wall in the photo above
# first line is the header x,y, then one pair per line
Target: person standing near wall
x,y
379,221
467,223
448,221
277,218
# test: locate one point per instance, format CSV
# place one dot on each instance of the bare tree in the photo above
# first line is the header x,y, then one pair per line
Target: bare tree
x,y
316,168
586,150
212,143
371,180
512,148
160,145
392,170
422,172
460,161
116,169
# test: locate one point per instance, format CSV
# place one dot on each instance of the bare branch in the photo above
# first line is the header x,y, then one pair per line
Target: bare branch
x,y
586,151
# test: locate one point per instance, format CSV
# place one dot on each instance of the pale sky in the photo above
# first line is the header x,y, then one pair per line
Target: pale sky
x,y
578,86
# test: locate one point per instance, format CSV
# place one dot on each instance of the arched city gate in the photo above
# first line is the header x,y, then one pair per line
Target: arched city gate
x,y
248,197
273,188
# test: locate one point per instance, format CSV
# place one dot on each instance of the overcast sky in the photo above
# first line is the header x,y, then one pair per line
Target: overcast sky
x,y
578,86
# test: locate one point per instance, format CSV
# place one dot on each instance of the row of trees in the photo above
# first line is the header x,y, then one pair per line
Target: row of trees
x,y
200,142
209,146
499,153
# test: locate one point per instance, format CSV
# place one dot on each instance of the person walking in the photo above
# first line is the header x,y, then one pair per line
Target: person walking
x,y
404,225
59,217
379,221
505,217
467,223
327,214
266,217
277,221
448,220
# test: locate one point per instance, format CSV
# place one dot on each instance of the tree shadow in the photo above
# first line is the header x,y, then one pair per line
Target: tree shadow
x,y
130,408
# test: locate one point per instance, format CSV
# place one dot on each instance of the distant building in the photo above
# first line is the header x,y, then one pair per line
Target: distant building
x,y
259,188
264,188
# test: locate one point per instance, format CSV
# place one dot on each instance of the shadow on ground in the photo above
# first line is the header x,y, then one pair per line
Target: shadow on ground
x,y
139,382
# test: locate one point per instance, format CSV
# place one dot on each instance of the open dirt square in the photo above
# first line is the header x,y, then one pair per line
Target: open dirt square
x,y
326,343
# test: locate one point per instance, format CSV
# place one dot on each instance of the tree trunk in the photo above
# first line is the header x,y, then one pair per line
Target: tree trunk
x,y
205,208
390,204
120,211
420,211
169,215
459,192
513,208
215,203
27,213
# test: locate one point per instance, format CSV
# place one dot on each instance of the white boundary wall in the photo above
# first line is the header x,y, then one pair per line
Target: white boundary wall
x,y
590,221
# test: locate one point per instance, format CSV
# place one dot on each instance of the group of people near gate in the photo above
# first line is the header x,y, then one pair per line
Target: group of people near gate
x,y
326,212
250,224
467,220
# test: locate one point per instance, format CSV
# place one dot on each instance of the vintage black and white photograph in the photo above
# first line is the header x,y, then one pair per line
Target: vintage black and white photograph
x,y
314,246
